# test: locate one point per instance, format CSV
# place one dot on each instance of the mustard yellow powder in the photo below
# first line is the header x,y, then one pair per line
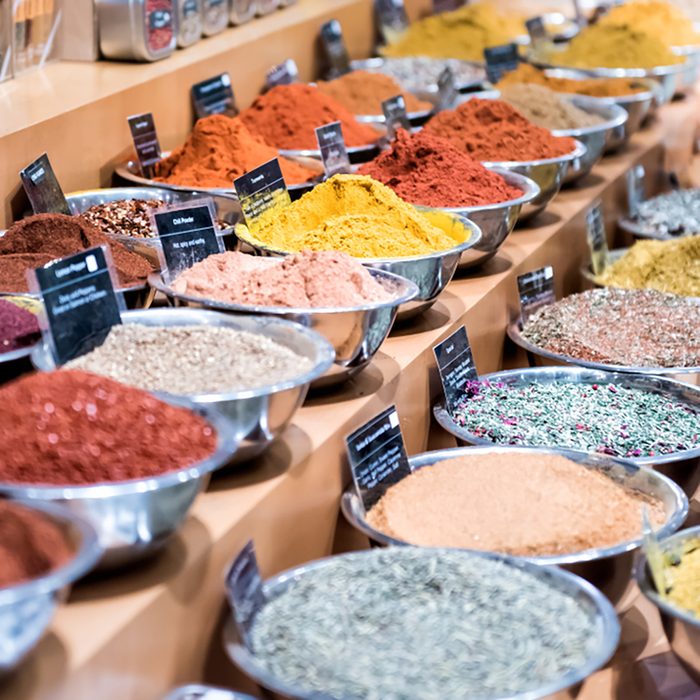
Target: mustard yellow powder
x,y
683,579
359,216
668,266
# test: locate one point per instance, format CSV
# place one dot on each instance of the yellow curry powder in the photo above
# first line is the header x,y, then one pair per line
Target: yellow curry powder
x,y
668,266
462,34
359,216
683,578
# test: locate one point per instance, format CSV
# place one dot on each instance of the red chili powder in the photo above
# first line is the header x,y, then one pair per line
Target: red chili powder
x,y
432,171
70,427
19,328
31,545
492,130
286,116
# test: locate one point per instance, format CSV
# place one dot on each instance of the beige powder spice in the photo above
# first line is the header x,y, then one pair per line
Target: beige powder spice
x,y
512,502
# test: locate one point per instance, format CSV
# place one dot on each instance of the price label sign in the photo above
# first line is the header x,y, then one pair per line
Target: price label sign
x,y
79,301
42,188
536,30
536,289
377,456
635,188
447,88
260,190
284,73
456,367
395,116
145,138
214,96
332,146
334,48
597,241
244,590
392,17
501,60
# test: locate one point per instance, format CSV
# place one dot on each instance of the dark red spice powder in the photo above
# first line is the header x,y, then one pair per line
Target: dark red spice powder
x,y
70,427
492,130
19,328
425,169
31,545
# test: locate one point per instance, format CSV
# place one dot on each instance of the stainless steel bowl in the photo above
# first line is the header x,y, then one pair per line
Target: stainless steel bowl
x,y
134,519
549,174
564,687
691,53
26,610
639,230
255,416
430,273
682,467
496,221
355,332
608,568
682,628
205,692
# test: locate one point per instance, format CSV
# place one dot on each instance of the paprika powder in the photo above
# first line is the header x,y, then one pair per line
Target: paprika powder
x,y
19,327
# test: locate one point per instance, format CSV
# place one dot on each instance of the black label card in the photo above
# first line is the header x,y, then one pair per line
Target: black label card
x,y
536,29
42,188
456,366
214,96
332,145
80,303
334,47
261,189
536,289
445,5
377,456
282,74
244,590
635,188
187,235
143,133
597,242
392,18
501,60
447,88
395,116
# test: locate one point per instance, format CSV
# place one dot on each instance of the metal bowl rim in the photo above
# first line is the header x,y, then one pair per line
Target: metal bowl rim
x,y
578,152
628,224
619,119
656,71
316,153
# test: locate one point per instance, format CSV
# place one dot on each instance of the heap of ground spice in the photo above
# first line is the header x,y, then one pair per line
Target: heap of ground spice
x,y
31,545
70,427
19,327
363,92
37,240
286,117
219,150
415,169
492,130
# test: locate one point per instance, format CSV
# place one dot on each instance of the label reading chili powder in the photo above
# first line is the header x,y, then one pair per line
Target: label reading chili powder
x,y
80,303
284,73
635,188
500,60
597,242
456,366
332,145
395,116
377,456
214,96
334,48
536,289
42,188
244,590
260,190
392,18
143,133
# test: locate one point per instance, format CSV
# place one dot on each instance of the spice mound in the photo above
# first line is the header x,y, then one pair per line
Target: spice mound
x,y
185,360
461,34
682,576
363,92
19,327
667,266
424,624
286,117
219,150
125,217
37,240
629,327
73,428
615,46
492,130
592,87
31,545
359,216
305,280
546,108
676,213
515,503
612,419
415,169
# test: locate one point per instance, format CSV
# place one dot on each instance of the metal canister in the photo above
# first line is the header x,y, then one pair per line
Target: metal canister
x,y
215,15
265,7
242,11
188,22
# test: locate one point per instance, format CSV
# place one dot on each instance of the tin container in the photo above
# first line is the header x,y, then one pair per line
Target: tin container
x,y
265,7
241,11
215,16
188,20
205,692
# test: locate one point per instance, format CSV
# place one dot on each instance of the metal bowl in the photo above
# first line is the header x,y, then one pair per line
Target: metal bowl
x,y
682,467
496,221
356,332
26,609
682,628
608,568
417,118
134,519
548,173
562,580
691,53
205,692
430,273
255,416
639,230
